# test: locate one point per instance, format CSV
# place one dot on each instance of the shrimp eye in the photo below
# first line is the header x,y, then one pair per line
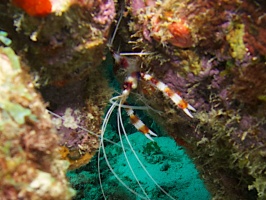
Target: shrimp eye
x,y
127,85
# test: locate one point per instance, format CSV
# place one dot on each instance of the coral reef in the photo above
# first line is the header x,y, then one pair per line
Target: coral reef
x,y
63,48
81,108
214,60
31,167
212,52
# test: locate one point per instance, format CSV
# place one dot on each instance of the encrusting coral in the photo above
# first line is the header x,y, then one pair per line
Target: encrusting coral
x,y
31,167
219,67
212,52
63,48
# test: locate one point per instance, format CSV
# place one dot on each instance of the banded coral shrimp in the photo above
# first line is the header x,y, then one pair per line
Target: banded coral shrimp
x,y
164,165
128,149
141,145
131,83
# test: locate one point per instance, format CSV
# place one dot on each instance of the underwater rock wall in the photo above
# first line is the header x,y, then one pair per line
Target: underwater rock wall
x,y
208,51
31,167
212,52
60,61
64,48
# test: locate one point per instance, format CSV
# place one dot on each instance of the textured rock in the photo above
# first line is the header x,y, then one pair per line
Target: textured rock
x,y
30,163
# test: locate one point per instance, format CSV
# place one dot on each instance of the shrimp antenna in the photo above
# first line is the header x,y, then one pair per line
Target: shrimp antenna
x,y
82,128
136,53
102,147
110,43
120,123
139,161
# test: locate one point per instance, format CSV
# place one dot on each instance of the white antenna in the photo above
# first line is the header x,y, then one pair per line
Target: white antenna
x,y
116,29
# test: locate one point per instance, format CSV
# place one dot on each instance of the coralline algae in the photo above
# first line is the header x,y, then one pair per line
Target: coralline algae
x,y
215,58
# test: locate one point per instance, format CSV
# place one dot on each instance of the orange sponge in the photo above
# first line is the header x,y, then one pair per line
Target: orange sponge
x,y
35,7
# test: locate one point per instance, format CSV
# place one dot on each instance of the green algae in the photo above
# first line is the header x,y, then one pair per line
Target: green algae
x,y
4,39
172,169
152,148
235,38
262,97
16,111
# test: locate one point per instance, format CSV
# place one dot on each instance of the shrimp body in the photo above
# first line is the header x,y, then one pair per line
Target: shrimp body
x,y
176,99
